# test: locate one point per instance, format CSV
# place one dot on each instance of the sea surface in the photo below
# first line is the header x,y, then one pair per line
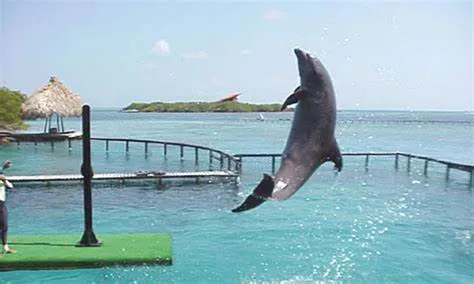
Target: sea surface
x,y
379,225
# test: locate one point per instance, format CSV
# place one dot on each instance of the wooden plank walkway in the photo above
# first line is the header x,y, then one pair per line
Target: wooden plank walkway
x,y
125,176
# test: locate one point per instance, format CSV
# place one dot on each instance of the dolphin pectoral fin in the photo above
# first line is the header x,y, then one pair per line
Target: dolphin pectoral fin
x,y
336,158
293,98
259,195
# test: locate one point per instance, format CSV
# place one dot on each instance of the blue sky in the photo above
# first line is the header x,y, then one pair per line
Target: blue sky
x,y
381,55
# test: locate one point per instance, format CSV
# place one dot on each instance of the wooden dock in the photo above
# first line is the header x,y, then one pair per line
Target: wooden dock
x,y
127,176
41,137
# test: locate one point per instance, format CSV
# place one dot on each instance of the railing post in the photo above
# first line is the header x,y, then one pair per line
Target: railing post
x,y
221,161
471,179
210,159
69,144
126,146
146,148
425,170
196,156
273,164
396,161
409,163
367,162
238,165
447,172
181,151
165,149
106,145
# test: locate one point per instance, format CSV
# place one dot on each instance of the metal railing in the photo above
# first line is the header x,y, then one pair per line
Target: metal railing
x,y
224,161
409,157
230,162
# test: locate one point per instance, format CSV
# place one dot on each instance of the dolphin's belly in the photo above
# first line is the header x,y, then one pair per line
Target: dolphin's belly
x,y
303,153
312,129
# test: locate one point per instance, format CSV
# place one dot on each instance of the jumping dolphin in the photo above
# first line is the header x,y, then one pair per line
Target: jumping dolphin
x,y
311,141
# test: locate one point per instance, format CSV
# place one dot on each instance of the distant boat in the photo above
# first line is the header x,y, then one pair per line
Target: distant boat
x,y
130,110
261,117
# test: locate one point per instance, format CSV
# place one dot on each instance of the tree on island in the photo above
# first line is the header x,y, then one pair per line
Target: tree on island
x,y
10,110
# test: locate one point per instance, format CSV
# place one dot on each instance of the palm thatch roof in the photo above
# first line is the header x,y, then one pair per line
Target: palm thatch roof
x,y
54,99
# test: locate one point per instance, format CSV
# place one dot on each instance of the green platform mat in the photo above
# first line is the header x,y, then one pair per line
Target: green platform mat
x,y
60,252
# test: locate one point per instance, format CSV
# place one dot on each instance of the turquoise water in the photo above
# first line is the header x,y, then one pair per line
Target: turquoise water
x,y
377,226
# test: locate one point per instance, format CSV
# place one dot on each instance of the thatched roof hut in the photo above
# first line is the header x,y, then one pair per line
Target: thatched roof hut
x,y
54,99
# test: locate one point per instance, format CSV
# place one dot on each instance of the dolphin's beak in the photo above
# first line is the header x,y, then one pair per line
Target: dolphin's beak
x,y
299,53
304,62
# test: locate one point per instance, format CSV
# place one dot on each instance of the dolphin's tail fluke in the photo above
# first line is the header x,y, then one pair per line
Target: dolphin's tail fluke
x,y
259,195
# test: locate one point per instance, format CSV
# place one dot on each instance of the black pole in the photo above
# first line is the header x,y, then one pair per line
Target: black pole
x,y
45,125
58,127
62,124
88,238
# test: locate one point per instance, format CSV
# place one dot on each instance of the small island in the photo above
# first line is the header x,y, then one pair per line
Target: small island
x,y
232,106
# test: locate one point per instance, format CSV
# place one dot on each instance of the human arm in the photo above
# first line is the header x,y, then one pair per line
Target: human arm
x,y
7,183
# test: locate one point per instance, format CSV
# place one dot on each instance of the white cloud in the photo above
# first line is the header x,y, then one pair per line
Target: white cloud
x,y
273,15
161,47
195,55
246,52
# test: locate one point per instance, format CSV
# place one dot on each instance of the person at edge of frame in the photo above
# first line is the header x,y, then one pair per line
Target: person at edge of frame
x,y
4,183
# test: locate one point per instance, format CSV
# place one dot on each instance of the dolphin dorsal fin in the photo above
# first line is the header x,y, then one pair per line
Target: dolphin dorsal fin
x,y
293,98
